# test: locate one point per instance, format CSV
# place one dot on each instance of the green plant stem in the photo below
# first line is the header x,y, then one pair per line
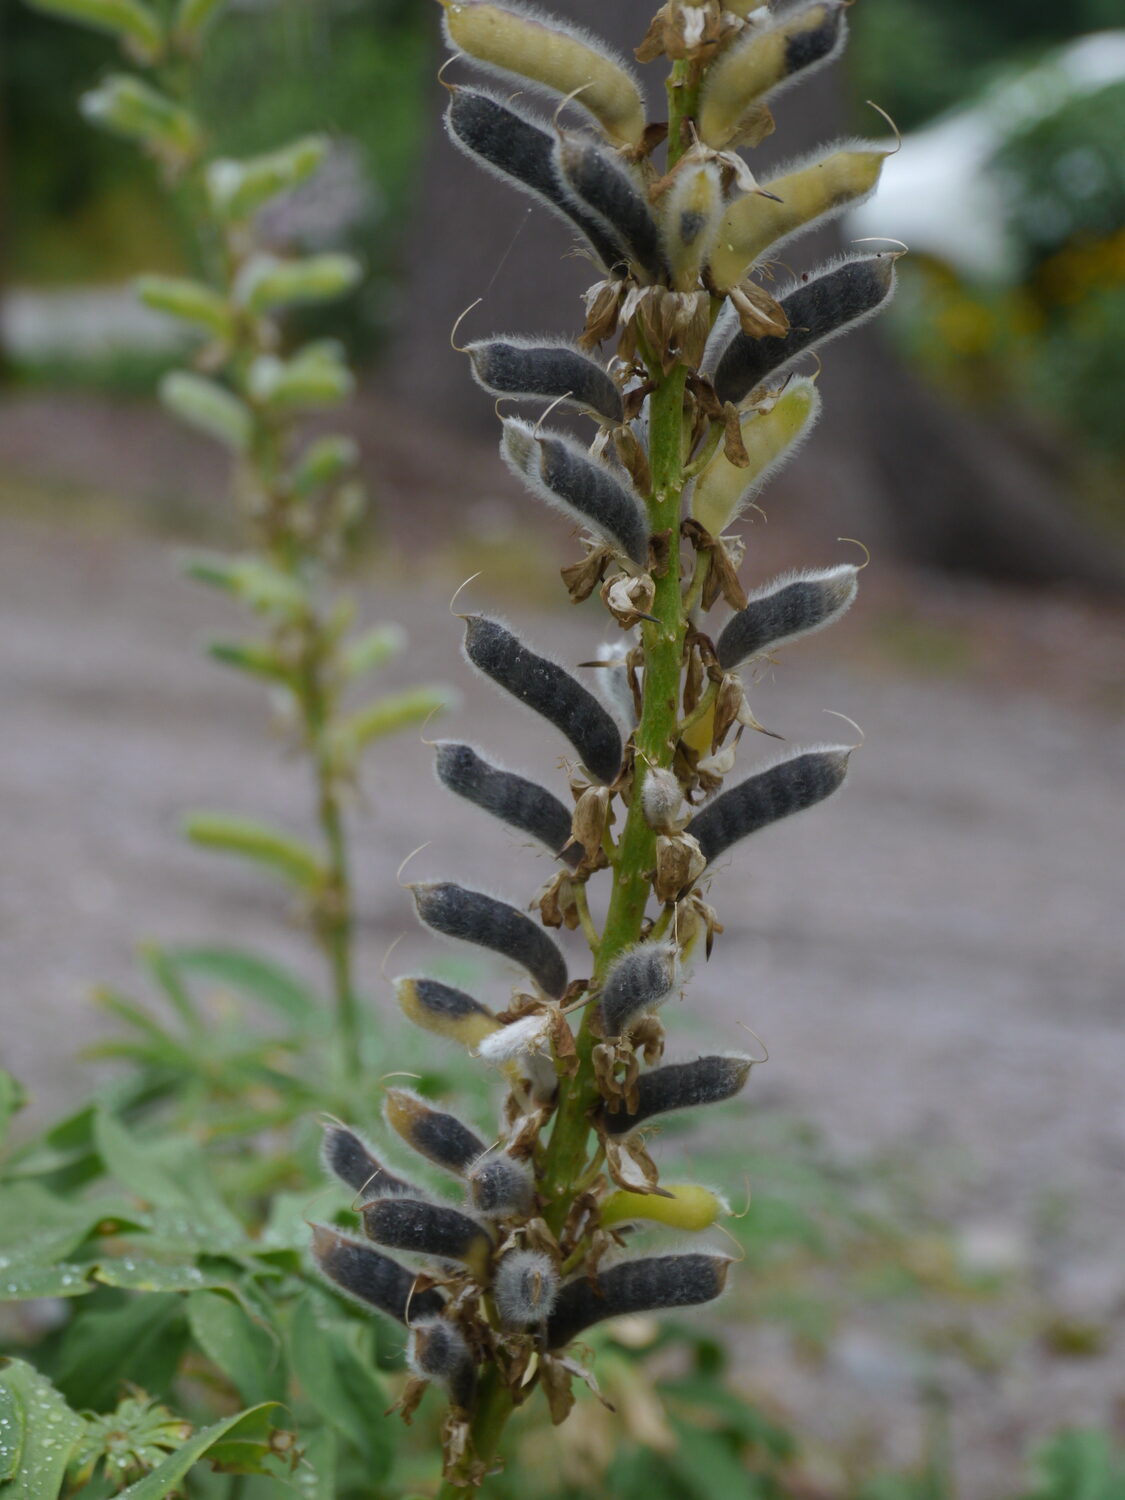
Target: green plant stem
x,y
494,1407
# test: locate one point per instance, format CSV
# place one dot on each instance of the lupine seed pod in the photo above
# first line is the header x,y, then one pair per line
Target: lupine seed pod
x,y
637,982
517,149
445,1011
789,786
635,1286
439,1137
513,799
784,610
690,214
706,1080
811,191
684,1205
550,691
437,1351
770,439
500,1187
432,1229
474,917
347,1157
534,369
370,1278
527,46
561,473
525,1287
762,63
834,300
601,184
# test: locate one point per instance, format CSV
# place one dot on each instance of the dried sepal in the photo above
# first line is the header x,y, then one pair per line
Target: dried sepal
x,y
347,1156
474,917
786,609
439,1137
629,600
675,1086
679,864
445,1011
760,315
370,1278
437,1351
637,982
652,1284
515,800
791,784
431,1229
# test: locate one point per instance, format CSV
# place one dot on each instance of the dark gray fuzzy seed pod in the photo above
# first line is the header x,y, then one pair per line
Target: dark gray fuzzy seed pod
x,y
635,1286
525,1287
550,690
831,302
706,1080
561,473
599,182
784,610
371,1278
347,1157
520,367
500,1186
437,1351
439,1137
428,1229
805,49
457,912
637,982
515,148
513,799
788,787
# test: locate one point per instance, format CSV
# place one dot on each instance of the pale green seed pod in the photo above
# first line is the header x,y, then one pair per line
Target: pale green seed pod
x,y
439,1137
690,214
687,1206
205,404
770,438
764,62
190,301
130,20
811,192
445,1011
131,108
265,282
239,188
522,44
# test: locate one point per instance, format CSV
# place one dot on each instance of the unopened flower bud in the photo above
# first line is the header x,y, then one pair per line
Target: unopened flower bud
x,y
474,917
785,610
706,1080
637,982
432,1229
437,1351
789,786
635,1286
525,1287
370,1278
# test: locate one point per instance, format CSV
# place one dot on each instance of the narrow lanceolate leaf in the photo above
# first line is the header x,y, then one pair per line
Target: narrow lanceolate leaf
x,y
257,658
707,1080
282,855
636,983
828,304
761,63
445,1011
548,689
516,148
432,1229
513,799
266,281
438,1136
437,1351
789,786
239,188
604,188
560,472
532,369
38,1432
391,714
242,1440
254,581
373,649
635,1286
191,301
370,1278
125,105
530,47
474,917
347,1156
785,610
770,438
210,407
325,460
132,21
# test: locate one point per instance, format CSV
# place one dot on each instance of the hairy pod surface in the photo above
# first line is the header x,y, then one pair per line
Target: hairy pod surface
x,y
789,786
635,1286
500,1187
834,300
684,1205
432,1229
525,1287
347,1157
531,47
690,215
368,1277
770,438
474,917
533,370
445,1011
438,1136
513,799
561,473
602,186
548,689
637,982
705,1080
437,1351
785,610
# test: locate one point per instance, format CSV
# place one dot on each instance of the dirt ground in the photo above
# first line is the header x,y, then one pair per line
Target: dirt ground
x,y
935,958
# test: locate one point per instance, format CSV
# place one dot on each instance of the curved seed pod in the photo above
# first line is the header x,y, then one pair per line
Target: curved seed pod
x,y
511,798
770,438
635,1286
686,1206
428,1229
638,981
439,1137
836,299
561,473
763,63
515,148
690,214
784,610
812,191
549,690
346,1156
788,786
525,1287
514,366
370,1278
600,183
445,1011
473,917
437,1351
500,1187
519,43
707,1080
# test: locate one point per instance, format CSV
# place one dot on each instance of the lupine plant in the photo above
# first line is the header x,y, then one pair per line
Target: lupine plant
x,y
687,367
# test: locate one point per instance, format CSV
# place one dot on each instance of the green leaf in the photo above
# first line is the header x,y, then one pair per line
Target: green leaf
x,y
190,301
239,188
259,584
128,19
140,1273
324,461
315,1475
391,714
36,1447
344,1389
209,407
37,1226
160,966
241,1435
255,977
128,107
13,1097
243,1349
134,1165
27,1281
120,1337
256,658
266,282
280,853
